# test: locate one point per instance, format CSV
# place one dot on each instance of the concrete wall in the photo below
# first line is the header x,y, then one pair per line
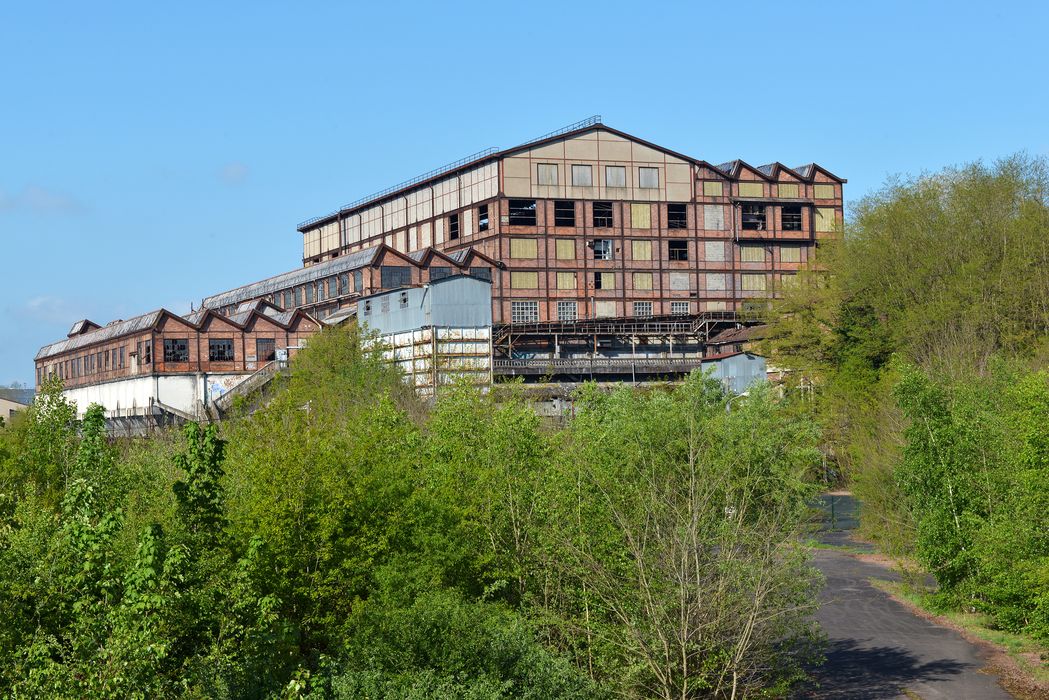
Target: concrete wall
x,y
134,396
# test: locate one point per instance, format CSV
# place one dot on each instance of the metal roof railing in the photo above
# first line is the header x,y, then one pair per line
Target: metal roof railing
x,y
589,121
407,183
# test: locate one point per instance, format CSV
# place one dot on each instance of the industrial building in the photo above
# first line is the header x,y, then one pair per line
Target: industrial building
x,y
599,255
162,364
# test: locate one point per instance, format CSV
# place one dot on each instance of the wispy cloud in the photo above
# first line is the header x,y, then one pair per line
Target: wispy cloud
x,y
41,200
51,309
233,173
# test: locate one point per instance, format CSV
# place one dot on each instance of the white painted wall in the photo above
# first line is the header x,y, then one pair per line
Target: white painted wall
x,y
133,396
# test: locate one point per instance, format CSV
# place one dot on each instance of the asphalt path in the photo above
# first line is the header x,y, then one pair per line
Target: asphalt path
x,y
879,650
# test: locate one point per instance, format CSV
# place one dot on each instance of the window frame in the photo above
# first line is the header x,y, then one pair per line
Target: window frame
x,y
522,212
583,168
603,248
482,218
607,217
619,169
677,250
223,344
677,215
559,216
644,170
170,348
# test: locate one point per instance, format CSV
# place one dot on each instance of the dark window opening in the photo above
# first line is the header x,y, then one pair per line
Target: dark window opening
x,y
602,248
598,277
677,250
344,283
564,213
438,272
220,350
753,217
392,276
482,217
404,300
792,217
453,227
482,273
677,216
147,358
176,350
602,214
265,349
522,212
367,308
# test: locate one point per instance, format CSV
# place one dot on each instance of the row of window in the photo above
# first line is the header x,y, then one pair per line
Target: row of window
x,y
677,281
87,365
522,212
528,311
677,250
583,176
219,350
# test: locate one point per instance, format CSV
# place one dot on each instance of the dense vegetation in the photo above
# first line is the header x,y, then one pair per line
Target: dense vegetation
x,y
927,337
343,542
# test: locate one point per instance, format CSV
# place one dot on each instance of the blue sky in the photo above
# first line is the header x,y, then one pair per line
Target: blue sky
x,y
154,153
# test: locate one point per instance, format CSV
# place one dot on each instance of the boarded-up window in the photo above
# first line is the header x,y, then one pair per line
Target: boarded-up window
x,y
790,254
715,282
752,253
524,280
605,309
615,176
604,280
714,217
527,248
641,215
751,189
787,189
714,251
712,188
825,219
547,173
566,280
648,178
641,250
752,282
680,281
564,249
642,280
823,191
582,176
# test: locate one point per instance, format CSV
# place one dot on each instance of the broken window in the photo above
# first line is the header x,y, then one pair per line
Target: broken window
x,y
602,214
564,213
524,312
648,178
677,250
522,212
147,349
453,227
642,308
482,218
753,216
615,176
176,350
602,248
367,308
403,300
265,349
677,215
792,217
604,280
121,356
394,276
220,349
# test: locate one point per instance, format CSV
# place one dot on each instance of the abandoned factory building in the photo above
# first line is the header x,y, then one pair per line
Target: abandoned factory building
x,y
601,254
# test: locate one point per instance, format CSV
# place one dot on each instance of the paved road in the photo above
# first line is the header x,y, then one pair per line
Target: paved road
x,y
878,648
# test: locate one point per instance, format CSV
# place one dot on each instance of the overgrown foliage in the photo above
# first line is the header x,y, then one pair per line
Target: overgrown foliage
x,y
949,275
343,542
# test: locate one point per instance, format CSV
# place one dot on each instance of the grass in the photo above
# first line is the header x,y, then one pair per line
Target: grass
x,y
1030,656
847,549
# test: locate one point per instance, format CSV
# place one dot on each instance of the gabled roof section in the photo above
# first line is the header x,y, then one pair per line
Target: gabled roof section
x,y
82,326
809,171
98,334
302,275
149,321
